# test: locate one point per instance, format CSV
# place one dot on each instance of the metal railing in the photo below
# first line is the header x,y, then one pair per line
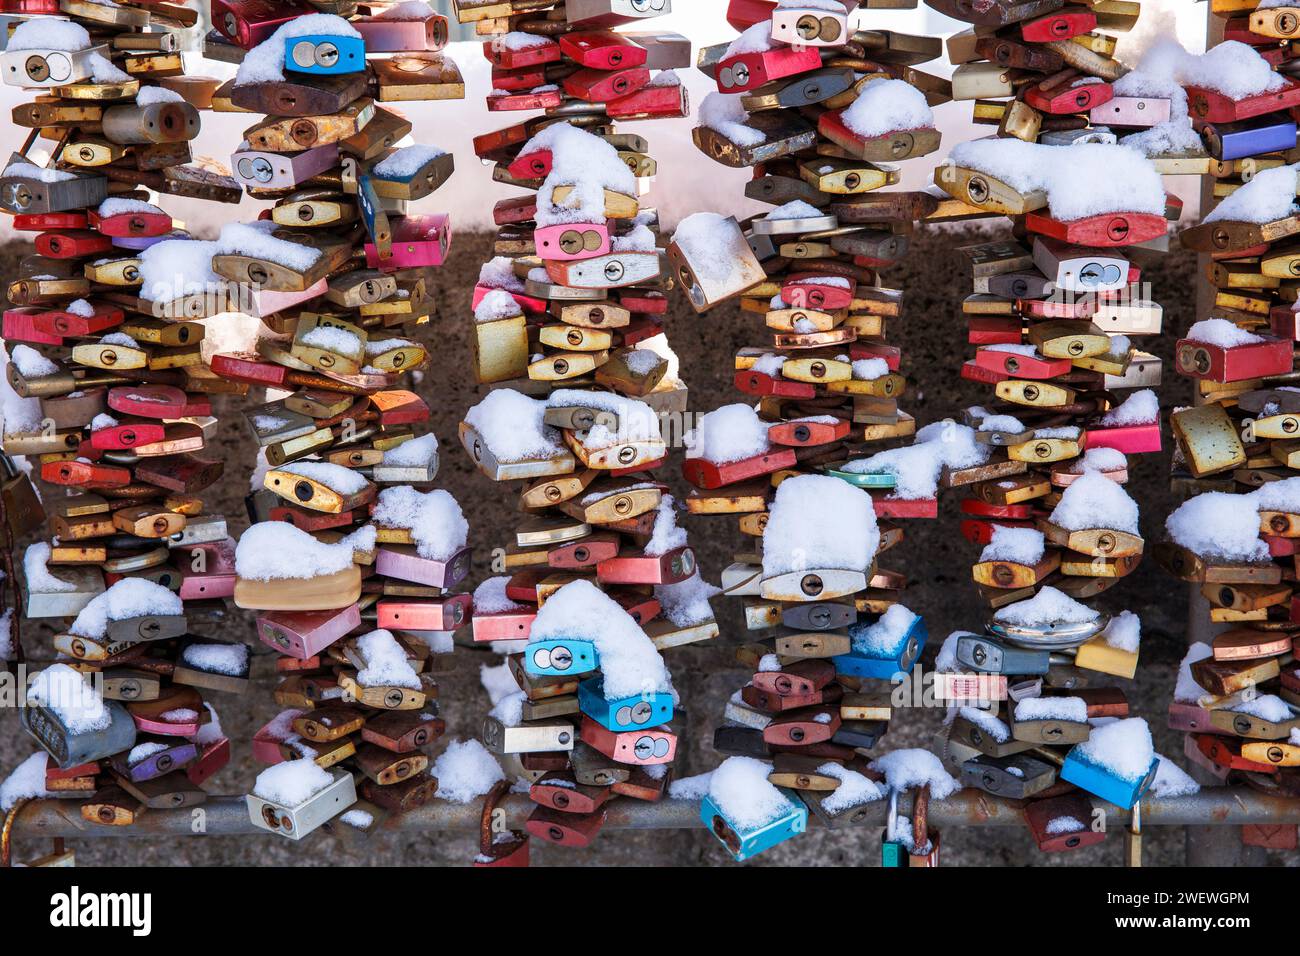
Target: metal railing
x,y
228,815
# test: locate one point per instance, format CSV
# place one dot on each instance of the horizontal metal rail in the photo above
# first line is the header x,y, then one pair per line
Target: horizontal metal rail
x,y
228,815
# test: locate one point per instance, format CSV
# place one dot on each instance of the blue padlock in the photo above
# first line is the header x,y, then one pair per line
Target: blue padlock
x,y
1103,782
880,480
623,713
324,54
561,657
745,842
883,663
1238,143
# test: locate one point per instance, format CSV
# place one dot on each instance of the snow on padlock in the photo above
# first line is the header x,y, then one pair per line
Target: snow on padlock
x,y
569,241
524,100
130,222
623,713
811,25
744,842
67,747
175,755
304,634
405,564
388,34
805,290
1062,823
1233,363
886,147
1211,106
268,738
561,657
748,71
62,593
881,650
526,302
177,712
643,747
157,401
296,822
324,54
511,52
1105,781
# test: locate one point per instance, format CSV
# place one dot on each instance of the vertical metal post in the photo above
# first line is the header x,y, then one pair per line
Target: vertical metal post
x,y
1210,846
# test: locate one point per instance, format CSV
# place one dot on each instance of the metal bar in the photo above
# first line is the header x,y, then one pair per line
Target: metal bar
x,y
228,815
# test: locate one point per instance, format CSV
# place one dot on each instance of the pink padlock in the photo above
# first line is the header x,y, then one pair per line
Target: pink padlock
x,y
386,34
1130,111
1130,439
568,241
208,577
264,302
1193,718
269,737
503,626
825,293
418,241
526,302
304,634
405,564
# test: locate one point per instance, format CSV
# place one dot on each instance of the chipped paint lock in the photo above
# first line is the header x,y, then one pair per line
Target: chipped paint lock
x,y
74,909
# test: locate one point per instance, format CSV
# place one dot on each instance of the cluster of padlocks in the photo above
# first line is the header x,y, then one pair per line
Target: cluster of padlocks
x,y
1235,536
110,395
821,113
1052,317
351,561
352,558
568,325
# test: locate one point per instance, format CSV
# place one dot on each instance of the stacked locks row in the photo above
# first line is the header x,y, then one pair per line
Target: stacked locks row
x,y
1076,165
350,560
1236,536
568,330
821,111
108,392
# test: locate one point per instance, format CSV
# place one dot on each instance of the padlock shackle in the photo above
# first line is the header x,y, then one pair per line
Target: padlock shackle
x,y
494,796
920,817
